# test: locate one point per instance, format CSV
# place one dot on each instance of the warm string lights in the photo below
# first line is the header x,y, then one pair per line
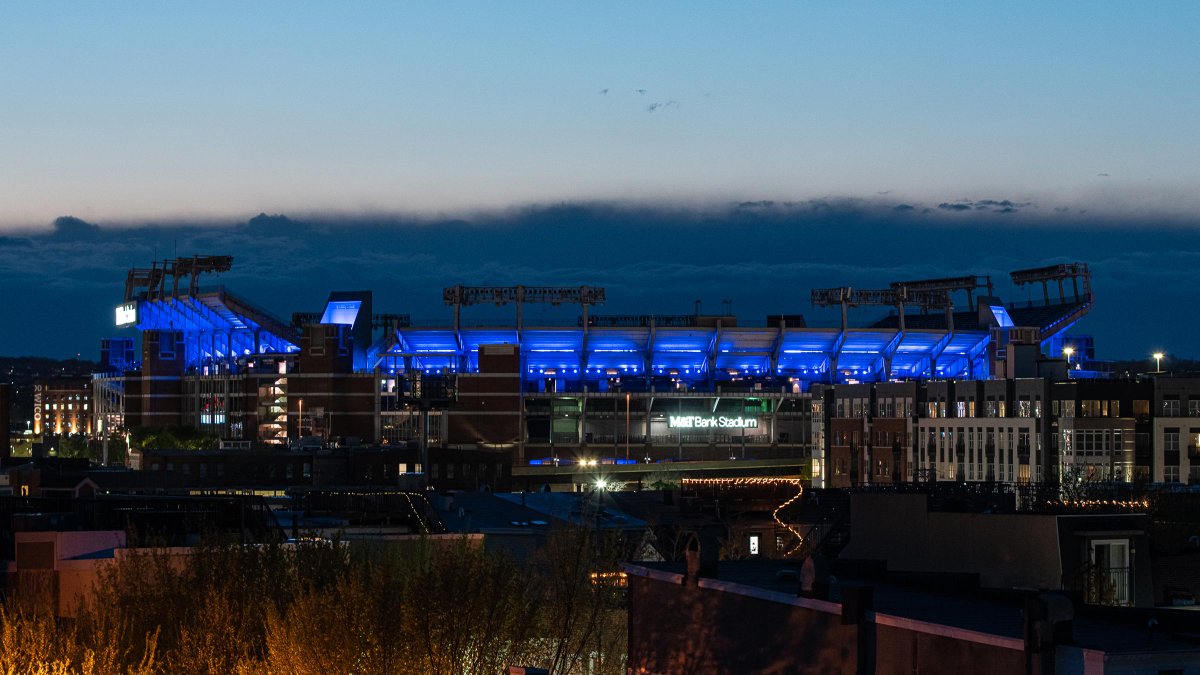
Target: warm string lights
x,y
738,482
788,527
420,520
1101,503
755,481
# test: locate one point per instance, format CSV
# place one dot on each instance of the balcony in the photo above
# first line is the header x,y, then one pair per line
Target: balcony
x,y
1108,586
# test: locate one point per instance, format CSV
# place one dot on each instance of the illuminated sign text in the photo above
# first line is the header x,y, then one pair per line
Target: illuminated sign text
x,y
711,422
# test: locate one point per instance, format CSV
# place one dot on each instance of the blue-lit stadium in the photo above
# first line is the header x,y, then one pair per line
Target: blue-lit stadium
x,y
925,334
626,392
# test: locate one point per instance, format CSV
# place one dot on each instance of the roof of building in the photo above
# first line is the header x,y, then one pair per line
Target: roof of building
x,y
993,614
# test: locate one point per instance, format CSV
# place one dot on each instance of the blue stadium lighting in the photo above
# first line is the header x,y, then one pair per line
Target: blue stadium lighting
x,y
341,312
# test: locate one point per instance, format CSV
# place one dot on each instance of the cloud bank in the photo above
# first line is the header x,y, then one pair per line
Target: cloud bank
x,y
764,256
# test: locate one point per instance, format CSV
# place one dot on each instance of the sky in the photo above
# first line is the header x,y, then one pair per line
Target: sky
x,y
404,127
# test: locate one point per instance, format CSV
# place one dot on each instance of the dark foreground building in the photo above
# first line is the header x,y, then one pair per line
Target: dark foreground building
x,y
750,617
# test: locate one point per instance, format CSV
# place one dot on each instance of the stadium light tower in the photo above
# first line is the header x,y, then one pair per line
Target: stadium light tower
x,y
1158,357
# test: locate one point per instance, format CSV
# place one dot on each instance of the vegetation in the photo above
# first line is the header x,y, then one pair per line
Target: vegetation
x,y
446,606
173,438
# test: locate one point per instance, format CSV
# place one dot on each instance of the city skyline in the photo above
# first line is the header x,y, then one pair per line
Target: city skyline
x,y
762,257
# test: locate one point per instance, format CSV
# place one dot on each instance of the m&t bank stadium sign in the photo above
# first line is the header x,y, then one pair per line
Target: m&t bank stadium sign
x,y
711,422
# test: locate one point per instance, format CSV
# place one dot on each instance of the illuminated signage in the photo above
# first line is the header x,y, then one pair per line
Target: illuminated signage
x,y
127,314
711,422
37,409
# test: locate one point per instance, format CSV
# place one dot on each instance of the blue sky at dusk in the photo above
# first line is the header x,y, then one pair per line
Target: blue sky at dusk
x,y
417,146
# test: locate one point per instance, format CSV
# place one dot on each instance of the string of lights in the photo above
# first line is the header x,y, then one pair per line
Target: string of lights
x,y
756,481
737,482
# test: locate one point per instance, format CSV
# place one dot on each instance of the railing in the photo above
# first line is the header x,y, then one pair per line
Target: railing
x,y
1096,585
1108,586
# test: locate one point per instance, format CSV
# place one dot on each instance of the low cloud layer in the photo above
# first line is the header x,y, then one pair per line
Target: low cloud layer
x,y
764,256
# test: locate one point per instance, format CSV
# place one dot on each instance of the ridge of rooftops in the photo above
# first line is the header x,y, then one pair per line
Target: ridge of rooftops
x,y
946,599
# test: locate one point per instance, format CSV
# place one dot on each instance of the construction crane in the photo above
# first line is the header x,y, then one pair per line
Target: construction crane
x,y
886,297
461,296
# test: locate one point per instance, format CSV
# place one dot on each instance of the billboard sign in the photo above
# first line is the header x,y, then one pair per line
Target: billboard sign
x,y
127,314
711,422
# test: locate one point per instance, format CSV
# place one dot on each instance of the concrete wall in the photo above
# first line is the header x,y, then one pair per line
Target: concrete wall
x,y
46,572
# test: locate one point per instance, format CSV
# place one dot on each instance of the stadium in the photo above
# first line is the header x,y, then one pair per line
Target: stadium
x,y
612,389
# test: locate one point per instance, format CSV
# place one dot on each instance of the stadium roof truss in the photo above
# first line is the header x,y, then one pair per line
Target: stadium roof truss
x,y
697,353
216,325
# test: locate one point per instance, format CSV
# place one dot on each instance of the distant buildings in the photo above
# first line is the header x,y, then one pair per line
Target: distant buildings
x,y
63,406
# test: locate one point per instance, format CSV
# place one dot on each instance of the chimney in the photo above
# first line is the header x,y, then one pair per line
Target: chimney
x,y
702,555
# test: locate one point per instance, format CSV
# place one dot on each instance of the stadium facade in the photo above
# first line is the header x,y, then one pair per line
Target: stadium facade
x,y
610,388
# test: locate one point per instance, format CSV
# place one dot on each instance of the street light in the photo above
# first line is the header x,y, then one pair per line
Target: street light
x,y
627,426
1067,352
1158,357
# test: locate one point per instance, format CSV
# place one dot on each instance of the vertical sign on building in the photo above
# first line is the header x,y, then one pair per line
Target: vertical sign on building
x,y
37,410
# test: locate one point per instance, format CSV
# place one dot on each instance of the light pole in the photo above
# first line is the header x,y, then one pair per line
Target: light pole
x,y
1158,357
1067,352
300,421
626,426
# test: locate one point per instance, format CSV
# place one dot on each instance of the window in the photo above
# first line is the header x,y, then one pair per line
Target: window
x,y
1193,407
960,409
1141,409
754,544
1171,407
1170,474
1171,440
1024,408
